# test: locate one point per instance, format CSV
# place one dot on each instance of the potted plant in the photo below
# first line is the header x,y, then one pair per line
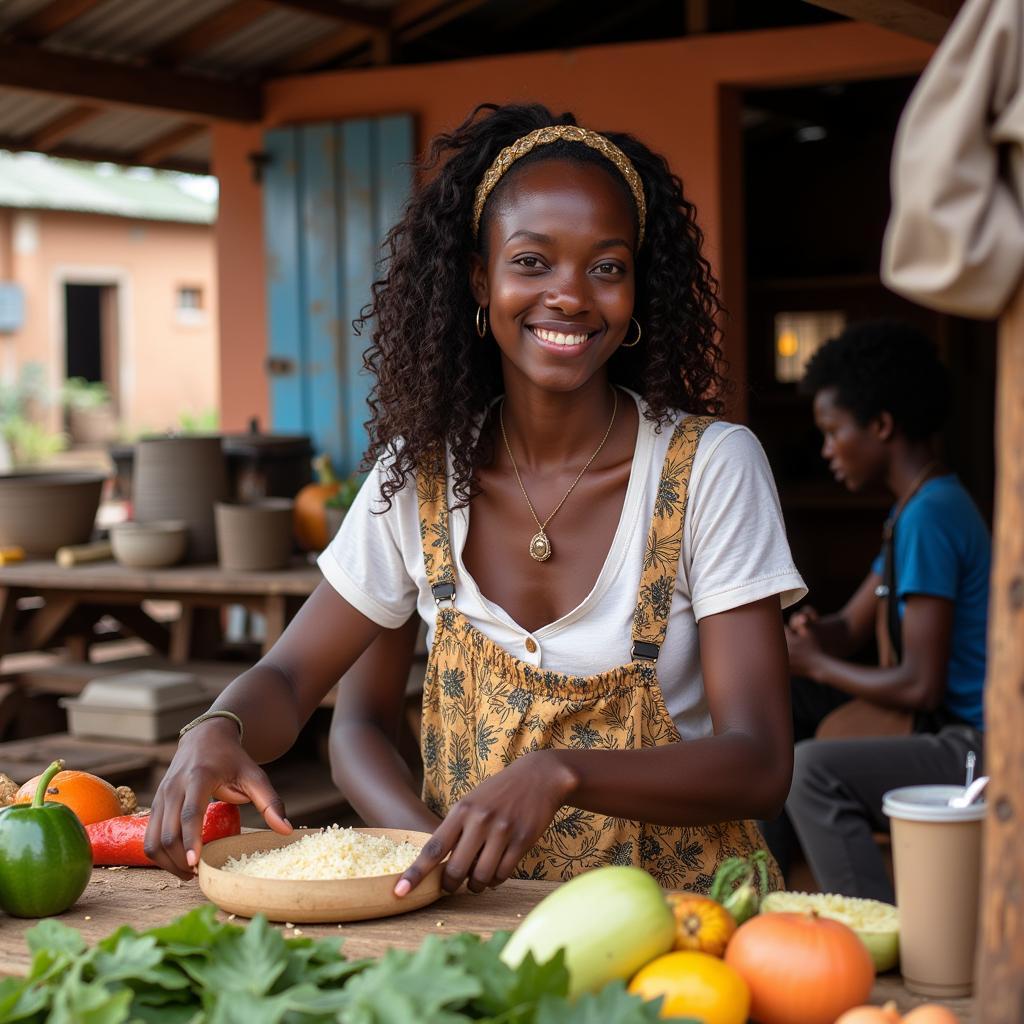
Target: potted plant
x,y
90,411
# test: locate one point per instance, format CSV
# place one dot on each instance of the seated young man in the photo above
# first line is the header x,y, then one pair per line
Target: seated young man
x,y
880,397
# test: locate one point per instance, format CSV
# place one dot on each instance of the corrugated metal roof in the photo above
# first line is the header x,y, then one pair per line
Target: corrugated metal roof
x,y
123,130
197,151
24,113
31,181
124,30
264,42
18,10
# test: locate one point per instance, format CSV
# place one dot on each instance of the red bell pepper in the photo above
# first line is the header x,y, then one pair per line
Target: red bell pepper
x,y
119,841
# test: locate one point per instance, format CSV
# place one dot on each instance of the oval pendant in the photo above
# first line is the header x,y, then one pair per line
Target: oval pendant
x,y
540,547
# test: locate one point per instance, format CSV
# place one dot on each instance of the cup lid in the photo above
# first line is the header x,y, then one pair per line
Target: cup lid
x,y
929,803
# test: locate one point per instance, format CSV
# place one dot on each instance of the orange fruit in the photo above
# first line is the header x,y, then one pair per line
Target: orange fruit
x,y
694,985
702,923
90,797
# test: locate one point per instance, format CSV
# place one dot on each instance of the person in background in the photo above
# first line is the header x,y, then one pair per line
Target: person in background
x,y
880,397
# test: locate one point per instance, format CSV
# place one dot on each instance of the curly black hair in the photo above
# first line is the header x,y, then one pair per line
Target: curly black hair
x,y
434,377
880,366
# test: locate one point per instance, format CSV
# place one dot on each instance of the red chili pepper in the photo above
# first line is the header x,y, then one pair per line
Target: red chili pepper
x,y
119,841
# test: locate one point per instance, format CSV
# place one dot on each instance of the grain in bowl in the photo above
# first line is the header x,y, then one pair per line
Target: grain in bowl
x,y
330,854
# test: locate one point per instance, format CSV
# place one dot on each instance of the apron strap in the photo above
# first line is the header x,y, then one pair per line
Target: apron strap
x,y
665,540
432,495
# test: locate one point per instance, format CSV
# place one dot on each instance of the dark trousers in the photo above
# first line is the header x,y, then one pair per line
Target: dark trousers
x,y
835,801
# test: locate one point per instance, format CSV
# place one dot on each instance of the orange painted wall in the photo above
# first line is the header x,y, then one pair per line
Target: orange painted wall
x,y
676,95
168,364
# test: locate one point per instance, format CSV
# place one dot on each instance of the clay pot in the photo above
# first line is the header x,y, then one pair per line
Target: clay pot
x,y
254,536
149,545
43,511
181,478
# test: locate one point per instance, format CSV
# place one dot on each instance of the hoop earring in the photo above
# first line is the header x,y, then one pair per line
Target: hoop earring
x,y
481,321
639,332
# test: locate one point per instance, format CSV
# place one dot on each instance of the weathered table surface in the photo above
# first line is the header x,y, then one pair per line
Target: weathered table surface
x,y
93,588
148,897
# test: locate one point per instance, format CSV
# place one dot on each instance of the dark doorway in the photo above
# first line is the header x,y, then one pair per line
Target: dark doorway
x,y
84,331
91,335
816,203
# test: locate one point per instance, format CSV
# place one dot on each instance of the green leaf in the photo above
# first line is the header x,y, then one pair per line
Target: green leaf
x,y
403,987
78,1002
194,932
247,1008
127,956
21,1000
54,936
612,1005
171,1014
247,962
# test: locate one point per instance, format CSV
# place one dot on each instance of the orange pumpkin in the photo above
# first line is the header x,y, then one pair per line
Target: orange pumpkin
x,y
309,518
800,967
702,924
90,797
928,1013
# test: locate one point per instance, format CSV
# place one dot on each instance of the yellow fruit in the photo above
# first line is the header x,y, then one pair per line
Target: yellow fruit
x,y
702,924
877,924
695,985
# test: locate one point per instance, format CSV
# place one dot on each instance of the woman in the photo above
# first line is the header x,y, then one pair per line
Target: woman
x,y
880,397
545,316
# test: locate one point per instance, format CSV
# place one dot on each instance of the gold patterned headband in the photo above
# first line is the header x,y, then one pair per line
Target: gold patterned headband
x,y
570,133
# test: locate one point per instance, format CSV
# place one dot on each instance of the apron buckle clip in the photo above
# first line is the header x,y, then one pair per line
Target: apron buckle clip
x,y
443,592
645,651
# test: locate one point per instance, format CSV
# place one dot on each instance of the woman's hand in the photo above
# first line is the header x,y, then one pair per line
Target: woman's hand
x,y
803,620
489,831
209,762
805,652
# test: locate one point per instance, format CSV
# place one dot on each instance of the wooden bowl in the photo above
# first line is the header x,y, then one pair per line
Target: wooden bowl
x,y
348,899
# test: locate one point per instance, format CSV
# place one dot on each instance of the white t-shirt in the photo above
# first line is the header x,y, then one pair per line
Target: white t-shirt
x,y
734,552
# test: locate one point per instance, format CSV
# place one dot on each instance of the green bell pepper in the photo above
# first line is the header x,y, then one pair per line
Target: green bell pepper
x,y
45,857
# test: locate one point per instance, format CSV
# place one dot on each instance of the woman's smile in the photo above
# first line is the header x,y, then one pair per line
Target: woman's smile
x,y
566,339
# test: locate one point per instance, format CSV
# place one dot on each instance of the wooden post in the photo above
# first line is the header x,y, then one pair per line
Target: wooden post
x,y
999,989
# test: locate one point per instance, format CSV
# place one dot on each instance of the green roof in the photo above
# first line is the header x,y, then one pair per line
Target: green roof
x,y
32,181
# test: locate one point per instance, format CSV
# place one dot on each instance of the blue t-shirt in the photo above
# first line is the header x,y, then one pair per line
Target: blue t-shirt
x,y
943,549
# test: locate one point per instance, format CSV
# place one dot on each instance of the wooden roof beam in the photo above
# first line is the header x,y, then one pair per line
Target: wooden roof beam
x,y
49,19
338,10
151,154
23,66
410,19
21,145
922,19
60,127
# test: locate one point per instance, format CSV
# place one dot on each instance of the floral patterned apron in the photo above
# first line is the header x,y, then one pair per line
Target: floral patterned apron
x,y
483,708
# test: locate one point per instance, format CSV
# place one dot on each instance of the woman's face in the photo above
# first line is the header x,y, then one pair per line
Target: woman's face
x,y
558,284
856,454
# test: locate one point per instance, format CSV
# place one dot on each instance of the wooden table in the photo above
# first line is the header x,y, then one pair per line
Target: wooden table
x,y
75,597
148,897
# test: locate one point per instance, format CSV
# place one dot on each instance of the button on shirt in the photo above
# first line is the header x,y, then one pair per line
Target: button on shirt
x,y
734,552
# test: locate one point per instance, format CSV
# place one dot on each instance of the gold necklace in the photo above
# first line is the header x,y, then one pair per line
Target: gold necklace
x,y
540,546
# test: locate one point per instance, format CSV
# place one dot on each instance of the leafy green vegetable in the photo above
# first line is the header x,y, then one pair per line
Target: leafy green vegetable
x,y
198,970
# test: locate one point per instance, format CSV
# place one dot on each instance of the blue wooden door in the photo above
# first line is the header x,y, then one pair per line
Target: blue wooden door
x,y
331,191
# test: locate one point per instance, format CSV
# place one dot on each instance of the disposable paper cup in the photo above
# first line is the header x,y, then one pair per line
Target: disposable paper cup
x,y
936,855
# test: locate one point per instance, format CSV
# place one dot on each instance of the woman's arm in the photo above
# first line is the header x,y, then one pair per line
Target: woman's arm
x,y
917,683
742,771
273,699
365,762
